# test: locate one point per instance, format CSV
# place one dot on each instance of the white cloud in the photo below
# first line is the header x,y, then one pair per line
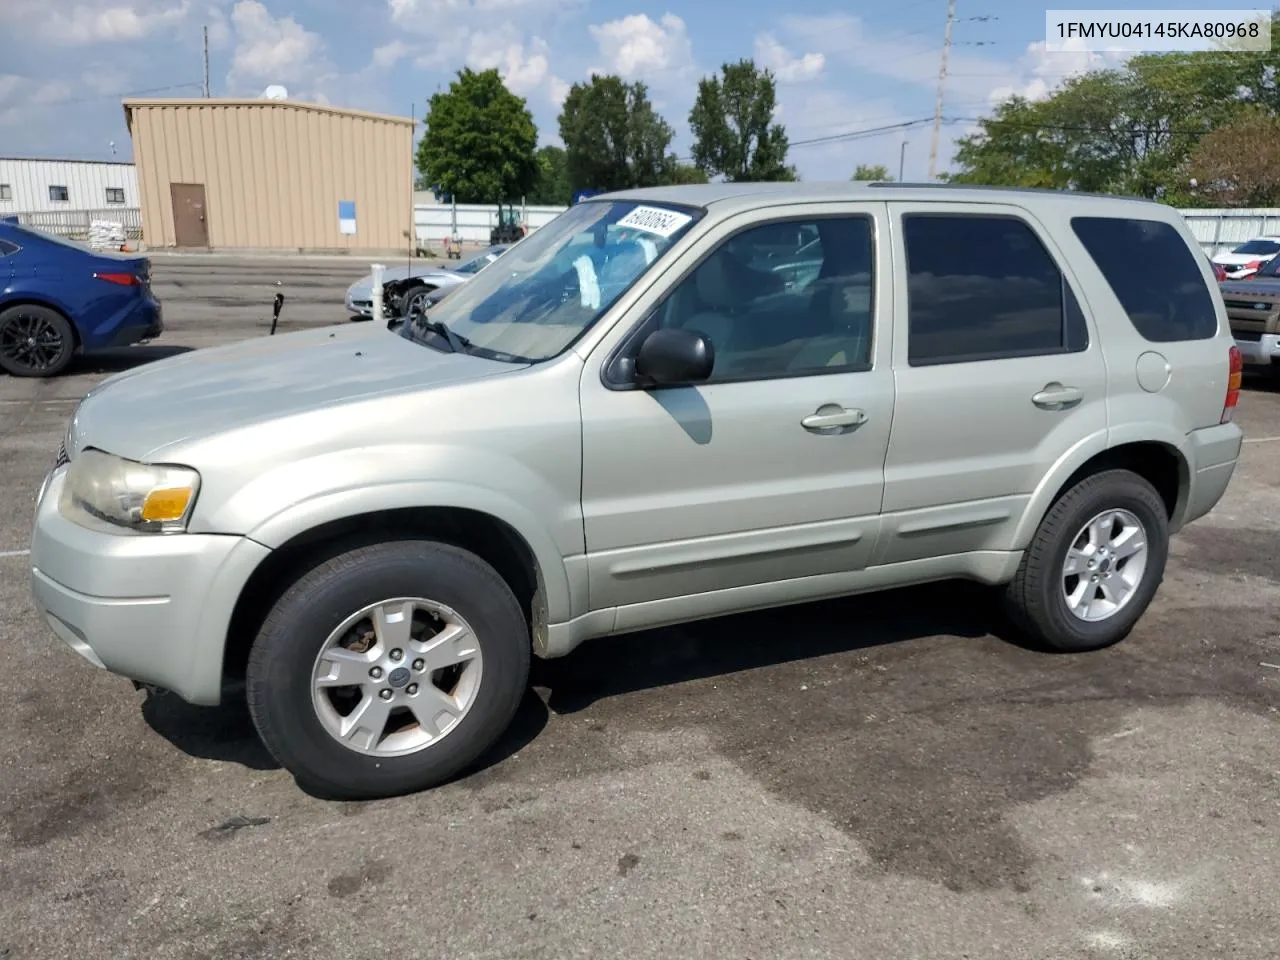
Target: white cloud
x,y
807,114
525,69
23,99
389,54
638,47
274,50
787,67
1041,71
86,23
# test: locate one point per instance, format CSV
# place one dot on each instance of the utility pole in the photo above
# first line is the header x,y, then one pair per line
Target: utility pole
x,y
902,161
942,81
206,62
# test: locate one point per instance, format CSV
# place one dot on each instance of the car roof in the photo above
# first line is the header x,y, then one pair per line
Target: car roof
x,y
726,197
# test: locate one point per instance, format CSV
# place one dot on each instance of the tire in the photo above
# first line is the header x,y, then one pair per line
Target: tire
x,y
1036,599
415,297
35,341
283,667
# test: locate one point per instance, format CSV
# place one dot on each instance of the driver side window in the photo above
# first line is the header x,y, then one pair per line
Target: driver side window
x,y
784,299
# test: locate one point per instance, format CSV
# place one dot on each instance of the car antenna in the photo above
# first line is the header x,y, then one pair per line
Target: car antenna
x,y
275,310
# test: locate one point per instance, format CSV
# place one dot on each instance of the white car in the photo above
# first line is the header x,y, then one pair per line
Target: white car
x,y
1245,260
424,283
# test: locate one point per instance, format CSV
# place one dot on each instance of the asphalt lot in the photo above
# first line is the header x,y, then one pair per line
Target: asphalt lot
x,y
876,777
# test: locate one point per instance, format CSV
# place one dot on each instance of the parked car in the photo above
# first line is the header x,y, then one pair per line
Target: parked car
x,y
407,286
1253,311
1219,271
1246,259
59,297
376,532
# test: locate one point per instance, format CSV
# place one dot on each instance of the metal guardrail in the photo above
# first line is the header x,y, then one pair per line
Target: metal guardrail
x,y
74,224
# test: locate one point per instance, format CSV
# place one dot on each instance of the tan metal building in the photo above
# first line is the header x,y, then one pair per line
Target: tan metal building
x,y
228,174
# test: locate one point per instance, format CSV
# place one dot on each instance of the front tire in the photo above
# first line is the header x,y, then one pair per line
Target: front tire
x,y
388,669
1094,565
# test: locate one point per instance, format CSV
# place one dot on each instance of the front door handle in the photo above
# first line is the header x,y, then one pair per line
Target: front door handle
x,y
834,417
1055,396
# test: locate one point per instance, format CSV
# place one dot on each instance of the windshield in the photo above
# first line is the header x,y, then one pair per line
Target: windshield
x,y
1270,269
547,290
1264,247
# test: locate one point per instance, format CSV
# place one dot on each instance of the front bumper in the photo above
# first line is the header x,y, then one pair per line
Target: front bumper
x,y
359,306
153,608
1262,352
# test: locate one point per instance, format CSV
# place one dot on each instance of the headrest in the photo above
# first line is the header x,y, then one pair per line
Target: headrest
x,y
720,283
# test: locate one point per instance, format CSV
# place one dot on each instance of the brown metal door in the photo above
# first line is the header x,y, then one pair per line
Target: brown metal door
x,y
190,228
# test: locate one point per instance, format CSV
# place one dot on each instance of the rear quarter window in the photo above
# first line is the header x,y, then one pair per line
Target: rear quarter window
x,y
1153,274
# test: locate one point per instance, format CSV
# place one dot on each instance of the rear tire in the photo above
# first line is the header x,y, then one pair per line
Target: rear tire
x,y
35,341
1114,529
429,736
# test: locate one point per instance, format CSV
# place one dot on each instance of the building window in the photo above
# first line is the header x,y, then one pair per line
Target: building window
x,y
58,194
115,194
6,191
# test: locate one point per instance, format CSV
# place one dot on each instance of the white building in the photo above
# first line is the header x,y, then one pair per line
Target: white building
x,y
57,186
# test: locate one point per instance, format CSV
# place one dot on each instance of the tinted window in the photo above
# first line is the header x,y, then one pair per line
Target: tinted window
x,y
6,191
58,194
7,248
982,288
783,299
1264,247
115,194
1153,274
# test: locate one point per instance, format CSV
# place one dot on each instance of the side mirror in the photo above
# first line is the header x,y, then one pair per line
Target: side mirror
x,y
675,356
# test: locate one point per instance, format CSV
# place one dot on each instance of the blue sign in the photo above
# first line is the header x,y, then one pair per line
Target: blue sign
x,y
347,216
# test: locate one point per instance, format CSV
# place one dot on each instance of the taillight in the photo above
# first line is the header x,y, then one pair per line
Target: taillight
x,y
1253,265
123,279
1235,374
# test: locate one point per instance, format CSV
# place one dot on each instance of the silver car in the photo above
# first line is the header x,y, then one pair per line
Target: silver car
x,y
638,422
417,285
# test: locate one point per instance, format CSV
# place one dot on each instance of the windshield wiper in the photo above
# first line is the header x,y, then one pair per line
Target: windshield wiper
x,y
457,342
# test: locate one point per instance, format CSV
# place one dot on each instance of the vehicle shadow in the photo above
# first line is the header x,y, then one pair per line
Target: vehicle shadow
x,y
119,359
614,666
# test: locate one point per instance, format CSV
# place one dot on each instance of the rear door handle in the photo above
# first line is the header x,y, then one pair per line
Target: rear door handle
x,y
1055,396
834,417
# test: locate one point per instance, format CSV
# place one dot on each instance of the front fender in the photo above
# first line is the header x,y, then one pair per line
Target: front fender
x,y
274,506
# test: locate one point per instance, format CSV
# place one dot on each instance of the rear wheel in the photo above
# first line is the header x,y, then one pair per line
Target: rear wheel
x,y
35,341
388,669
1094,565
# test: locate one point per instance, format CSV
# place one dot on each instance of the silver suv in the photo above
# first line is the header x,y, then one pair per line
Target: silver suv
x,y
665,405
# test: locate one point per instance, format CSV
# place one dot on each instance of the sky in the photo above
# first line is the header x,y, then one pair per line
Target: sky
x,y
843,68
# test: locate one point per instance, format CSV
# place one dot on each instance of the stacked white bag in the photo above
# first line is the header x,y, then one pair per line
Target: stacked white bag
x,y
106,235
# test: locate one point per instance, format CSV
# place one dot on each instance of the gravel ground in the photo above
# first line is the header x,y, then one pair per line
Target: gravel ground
x,y
876,777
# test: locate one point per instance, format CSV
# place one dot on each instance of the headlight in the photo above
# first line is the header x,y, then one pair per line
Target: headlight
x,y
144,497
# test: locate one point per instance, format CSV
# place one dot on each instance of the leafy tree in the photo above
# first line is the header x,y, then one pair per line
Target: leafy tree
x,y
480,141
553,187
874,171
1130,131
1238,164
613,138
675,173
732,123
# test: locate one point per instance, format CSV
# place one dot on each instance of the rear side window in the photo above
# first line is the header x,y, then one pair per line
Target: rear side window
x,y
984,288
1153,274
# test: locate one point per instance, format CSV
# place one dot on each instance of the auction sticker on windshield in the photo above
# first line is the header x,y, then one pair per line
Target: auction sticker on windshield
x,y
655,220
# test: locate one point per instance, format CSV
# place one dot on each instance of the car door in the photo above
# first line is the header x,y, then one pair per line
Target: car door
x,y
999,374
770,471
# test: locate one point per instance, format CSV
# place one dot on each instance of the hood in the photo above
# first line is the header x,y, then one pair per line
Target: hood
x,y
1253,287
206,392
401,272
1240,259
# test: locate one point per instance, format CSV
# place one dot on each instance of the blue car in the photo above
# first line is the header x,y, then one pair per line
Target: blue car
x,y
58,297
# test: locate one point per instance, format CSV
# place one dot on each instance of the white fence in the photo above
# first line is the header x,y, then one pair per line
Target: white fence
x,y
74,224
434,222
1218,230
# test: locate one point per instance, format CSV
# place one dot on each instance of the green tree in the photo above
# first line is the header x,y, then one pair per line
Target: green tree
x,y
1238,164
732,123
873,171
1129,131
676,173
553,187
613,138
480,141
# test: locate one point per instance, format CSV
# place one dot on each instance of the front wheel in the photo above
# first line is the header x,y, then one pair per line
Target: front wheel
x,y
1094,565
388,669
